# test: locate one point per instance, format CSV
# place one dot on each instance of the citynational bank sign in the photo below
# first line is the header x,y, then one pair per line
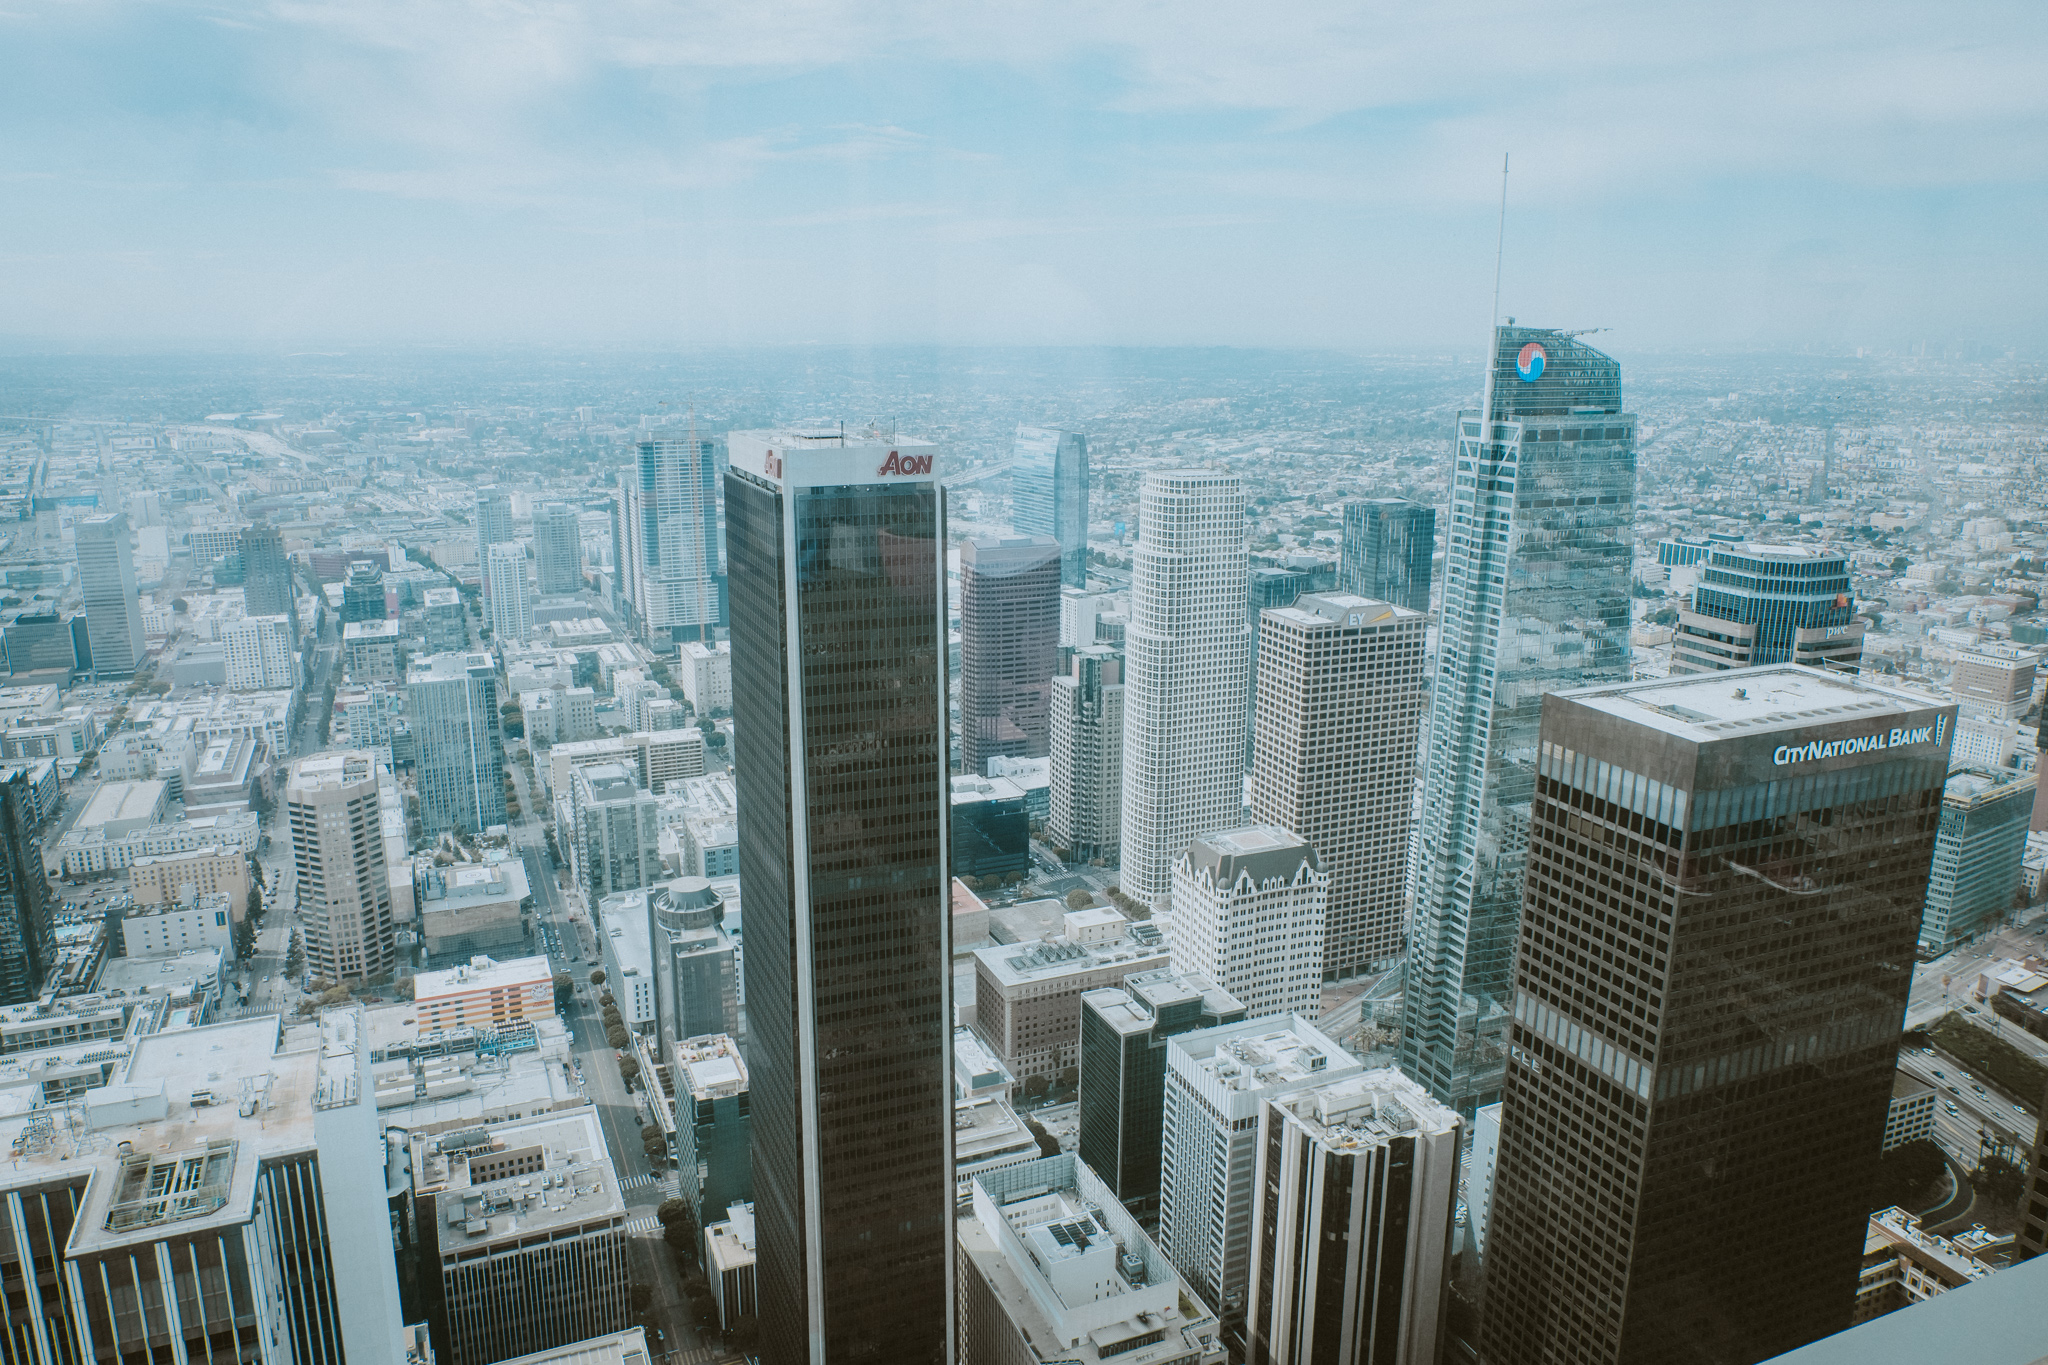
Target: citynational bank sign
x,y
1876,741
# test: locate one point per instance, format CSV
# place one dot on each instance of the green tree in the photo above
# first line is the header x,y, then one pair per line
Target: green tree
x,y
616,1037
629,1068
254,912
671,1209
565,989
597,977
1077,899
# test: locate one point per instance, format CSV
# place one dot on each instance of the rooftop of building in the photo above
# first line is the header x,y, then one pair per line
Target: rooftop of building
x,y
179,973
1703,707
1905,1087
1134,1007
986,1127
441,597
459,885
711,1067
558,1175
447,667
1262,1054
614,1348
731,1243
610,781
1017,964
1342,611
1972,783
480,974
385,629
1366,1110
123,802
697,649
969,790
322,772
1258,851
975,1064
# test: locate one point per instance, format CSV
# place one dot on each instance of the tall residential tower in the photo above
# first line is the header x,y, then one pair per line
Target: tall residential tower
x,y
1536,593
838,552
1389,544
669,567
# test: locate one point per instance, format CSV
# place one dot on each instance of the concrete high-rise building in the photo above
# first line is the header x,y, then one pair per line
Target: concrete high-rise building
x,y
1217,1082
259,654
113,610
1769,604
1351,1223
338,849
1009,646
267,574
212,1202
1027,996
451,704
1537,573
705,674
509,604
1049,494
1086,792
696,990
557,549
669,565
1184,675
1389,546
1124,1030
493,527
1976,870
1996,682
521,1229
1264,587
1052,1271
714,1125
618,829
1721,901
1248,912
1340,687
28,930
838,551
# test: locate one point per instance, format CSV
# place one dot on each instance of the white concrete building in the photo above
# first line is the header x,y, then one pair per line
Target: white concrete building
x,y
173,926
706,676
506,596
1186,654
344,885
1248,913
1217,1082
260,654
1085,794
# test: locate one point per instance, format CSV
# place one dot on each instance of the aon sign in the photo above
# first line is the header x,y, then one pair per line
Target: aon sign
x,y
905,464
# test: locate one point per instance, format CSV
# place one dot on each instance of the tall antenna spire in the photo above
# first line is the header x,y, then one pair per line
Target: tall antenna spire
x,y
1493,328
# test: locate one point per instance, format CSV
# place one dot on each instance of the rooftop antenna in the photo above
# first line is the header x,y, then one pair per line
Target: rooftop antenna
x,y
1493,327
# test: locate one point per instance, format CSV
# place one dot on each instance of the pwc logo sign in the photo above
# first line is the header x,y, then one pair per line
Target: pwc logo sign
x,y
904,464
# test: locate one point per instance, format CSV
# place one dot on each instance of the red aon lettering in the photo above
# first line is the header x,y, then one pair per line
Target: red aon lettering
x,y
905,464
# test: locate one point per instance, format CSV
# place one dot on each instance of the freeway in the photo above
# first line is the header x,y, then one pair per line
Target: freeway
x,y
1982,1117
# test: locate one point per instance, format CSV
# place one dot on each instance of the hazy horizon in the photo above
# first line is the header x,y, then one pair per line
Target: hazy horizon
x,y
282,175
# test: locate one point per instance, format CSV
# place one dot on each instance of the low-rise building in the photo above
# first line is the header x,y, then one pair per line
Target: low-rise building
x,y
624,937
705,675
185,876
483,993
1911,1115
613,1348
173,926
1027,996
1903,1266
87,853
987,1136
1052,1268
470,909
226,775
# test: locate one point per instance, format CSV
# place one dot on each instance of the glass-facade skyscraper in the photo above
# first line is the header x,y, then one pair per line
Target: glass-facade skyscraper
x,y
1388,547
1722,894
1769,604
838,553
113,610
452,704
669,565
1536,597
1009,647
28,933
267,574
1049,495
557,549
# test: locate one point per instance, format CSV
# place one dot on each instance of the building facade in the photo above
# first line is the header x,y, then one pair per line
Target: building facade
x,y
696,991
493,527
838,549
618,830
458,741
260,654
1974,882
1389,546
1725,877
1184,675
557,549
1995,682
344,888
1537,572
1085,795
28,932
1009,642
113,609
1124,1031
1340,708
1049,494
714,1125
1027,996
267,575
1769,604
669,566
511,609
1351,1223
1249,907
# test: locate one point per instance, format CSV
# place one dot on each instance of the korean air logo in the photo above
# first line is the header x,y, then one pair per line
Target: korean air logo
x,y
1529,364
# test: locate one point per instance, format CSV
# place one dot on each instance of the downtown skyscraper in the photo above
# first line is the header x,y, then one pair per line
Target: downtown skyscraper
x,y
1009,646
1049,494
1536,597
1389,549
838,553
1722,897
668,562
106,580
1186,654
557,549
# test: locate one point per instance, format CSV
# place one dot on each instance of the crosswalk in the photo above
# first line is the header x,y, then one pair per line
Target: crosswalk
x,y
638,1182
647,1224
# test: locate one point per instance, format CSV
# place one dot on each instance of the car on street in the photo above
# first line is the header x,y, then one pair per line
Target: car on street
x,y
1951,1106
1940,1075
2019,1109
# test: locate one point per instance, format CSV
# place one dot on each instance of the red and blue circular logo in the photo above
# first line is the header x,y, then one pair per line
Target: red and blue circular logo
x,y
1529,364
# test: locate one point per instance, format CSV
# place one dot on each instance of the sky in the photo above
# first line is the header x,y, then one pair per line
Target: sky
x,y
1301,173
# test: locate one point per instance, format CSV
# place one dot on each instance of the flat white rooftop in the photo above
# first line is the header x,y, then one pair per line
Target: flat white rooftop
x,y
480,974
1709,706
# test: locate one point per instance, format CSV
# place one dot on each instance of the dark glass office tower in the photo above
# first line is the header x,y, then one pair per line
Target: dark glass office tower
x,y
267,574
28,934
1724,883
1049,495
1536,582
1769,604
1009,646
837,548
1388,545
